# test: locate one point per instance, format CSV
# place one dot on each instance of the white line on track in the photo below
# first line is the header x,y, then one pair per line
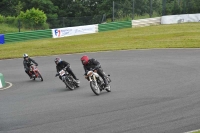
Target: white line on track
x,y
10,84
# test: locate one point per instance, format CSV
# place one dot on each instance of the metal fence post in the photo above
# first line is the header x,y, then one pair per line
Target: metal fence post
x,y
103,18
150,8
19,25
63,22
133,10
163,7
113,11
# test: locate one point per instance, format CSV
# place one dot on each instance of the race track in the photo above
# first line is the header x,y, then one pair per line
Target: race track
x,y
153,91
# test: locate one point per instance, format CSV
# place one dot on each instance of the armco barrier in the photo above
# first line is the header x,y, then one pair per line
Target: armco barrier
x,y
29,35
2,39
2,81
146,22
41,34
114,26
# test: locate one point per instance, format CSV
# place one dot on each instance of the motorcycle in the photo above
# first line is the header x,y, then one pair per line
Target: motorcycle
x,y
67,78
35,73
96,82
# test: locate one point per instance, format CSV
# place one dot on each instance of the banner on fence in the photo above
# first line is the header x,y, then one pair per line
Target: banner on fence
x,y
175,19
72,31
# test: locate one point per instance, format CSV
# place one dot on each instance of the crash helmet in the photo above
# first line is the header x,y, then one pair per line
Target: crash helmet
x,y
57,60
25,55
84,59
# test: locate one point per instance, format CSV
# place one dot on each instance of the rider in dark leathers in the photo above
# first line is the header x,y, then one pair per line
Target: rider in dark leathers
x,y
93,65
27,63
61,64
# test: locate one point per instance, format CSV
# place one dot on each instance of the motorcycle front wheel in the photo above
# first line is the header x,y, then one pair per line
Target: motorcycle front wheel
x,y
69,84
40,76
95,87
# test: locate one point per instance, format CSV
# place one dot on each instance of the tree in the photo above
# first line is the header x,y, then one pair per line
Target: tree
x,y
18,7
7,7
33,18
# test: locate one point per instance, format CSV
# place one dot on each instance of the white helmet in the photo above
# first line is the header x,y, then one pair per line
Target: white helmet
x,y
25,55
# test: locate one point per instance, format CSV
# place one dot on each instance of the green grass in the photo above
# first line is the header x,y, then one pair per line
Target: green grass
x,y
162,36
196,132
5,28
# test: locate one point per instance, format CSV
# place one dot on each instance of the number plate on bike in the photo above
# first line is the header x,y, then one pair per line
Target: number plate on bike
x,y
62,72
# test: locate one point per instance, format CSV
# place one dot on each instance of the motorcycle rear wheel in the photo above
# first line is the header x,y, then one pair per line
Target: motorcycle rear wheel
x,y
94,88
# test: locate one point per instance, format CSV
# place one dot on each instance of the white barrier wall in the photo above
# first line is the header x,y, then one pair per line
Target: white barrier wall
x,y
72,31
146,22
89,29
175,19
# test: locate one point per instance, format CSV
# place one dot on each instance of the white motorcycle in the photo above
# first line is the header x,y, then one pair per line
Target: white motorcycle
x,y
97,83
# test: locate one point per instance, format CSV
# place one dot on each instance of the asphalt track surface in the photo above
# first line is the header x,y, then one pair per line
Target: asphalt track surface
x,y
153,91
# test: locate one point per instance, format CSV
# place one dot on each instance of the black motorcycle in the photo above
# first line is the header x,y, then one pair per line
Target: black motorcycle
x,y
67,78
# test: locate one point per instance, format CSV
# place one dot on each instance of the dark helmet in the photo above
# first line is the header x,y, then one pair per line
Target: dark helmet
x,y
25,55
84,59
57,60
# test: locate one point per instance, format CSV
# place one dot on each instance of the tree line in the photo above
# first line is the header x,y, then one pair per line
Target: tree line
x,y
59,13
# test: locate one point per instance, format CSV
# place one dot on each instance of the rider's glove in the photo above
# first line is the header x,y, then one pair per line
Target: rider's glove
x,y
56,75
86,77
94,70
27,69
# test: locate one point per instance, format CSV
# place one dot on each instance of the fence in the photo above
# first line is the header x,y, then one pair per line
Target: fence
x,y
75,21
30,35
138,9
88,29
125,10
114,26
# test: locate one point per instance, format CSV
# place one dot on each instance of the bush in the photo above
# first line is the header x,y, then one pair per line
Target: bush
x,y
10,20
33,18
2,19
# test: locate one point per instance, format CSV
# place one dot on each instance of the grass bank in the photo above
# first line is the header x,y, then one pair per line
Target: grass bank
x,y
5,28
163,36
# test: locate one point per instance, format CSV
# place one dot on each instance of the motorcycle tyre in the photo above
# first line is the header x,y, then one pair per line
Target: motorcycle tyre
x,y
97,92
69,85
40,76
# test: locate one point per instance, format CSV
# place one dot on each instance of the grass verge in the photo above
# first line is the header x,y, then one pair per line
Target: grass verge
x,y
5,28
162,36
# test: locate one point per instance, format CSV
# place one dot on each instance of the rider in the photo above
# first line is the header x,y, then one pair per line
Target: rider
x,y
94,65
27,63
61,64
